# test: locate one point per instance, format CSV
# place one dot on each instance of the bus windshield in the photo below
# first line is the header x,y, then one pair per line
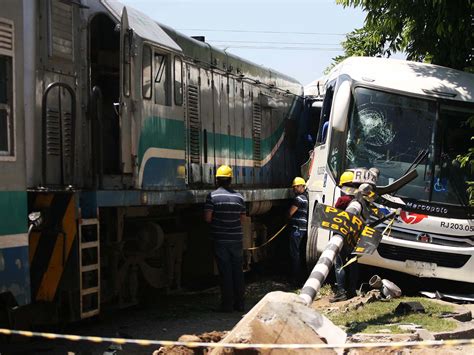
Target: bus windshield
x,y
389,131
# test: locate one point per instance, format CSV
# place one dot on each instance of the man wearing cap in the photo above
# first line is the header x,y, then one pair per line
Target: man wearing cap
x,y
298,223
224,210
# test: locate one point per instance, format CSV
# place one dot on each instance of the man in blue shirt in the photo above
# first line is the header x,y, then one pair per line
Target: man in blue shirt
x,y
224,210
298,216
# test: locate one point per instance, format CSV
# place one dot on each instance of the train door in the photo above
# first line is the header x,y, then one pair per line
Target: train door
x,y
126,92
232,131
239,132
193,117
248,172
224,113
216,79
105,94
208,157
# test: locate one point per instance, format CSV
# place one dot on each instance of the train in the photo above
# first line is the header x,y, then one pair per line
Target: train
x,y
112,128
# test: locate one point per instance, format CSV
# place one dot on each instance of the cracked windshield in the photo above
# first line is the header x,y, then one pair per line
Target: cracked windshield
x,y
391,132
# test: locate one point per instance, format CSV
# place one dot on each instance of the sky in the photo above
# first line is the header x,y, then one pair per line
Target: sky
x,y
295,37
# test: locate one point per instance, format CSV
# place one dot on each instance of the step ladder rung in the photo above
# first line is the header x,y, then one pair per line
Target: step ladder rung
x,y
87,245
89,291
89,307
90,313
91,267
89,221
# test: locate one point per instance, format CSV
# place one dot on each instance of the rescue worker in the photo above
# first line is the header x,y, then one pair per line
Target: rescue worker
x,y
298,223
348,277
224,210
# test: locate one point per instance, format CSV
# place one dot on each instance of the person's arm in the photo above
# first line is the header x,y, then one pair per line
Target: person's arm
x,y
208,216
243,211
292,211
208,209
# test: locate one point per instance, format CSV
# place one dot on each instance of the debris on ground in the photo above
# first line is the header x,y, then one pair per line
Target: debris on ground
x,y
210,337
284,318
409,307
449,296
388,288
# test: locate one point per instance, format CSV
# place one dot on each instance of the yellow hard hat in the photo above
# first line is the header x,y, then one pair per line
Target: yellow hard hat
x,y
298,181
346,178
224,171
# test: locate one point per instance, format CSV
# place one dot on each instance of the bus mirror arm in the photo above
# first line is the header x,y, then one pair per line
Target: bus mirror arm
x,y
398,184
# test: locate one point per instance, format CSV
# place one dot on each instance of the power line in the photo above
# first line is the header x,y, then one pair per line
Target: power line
x,y
270,42
273,32
285,48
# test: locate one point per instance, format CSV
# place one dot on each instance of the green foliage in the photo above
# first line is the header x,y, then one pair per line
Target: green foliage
x,y
381,315
434,31
467,161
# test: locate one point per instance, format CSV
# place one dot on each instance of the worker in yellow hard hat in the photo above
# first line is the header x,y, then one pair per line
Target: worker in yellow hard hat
x,y
224,211
346,178
298,223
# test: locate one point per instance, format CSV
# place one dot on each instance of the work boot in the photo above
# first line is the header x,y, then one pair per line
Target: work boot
x,y
338,297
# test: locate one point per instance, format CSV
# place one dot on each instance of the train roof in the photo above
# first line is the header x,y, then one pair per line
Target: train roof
x,y
412,77
201,52
316,88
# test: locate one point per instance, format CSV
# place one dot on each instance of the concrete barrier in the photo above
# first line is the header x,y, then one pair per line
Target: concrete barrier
x,y
284,318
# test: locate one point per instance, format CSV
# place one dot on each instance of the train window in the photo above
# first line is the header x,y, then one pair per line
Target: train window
x,y
126,65
178,81
161,68
6,109
146,72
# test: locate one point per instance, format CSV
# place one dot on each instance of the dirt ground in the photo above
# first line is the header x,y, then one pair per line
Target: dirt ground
x,y
190,313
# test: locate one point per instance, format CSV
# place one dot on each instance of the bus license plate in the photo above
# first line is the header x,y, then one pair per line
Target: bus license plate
x,y
421,268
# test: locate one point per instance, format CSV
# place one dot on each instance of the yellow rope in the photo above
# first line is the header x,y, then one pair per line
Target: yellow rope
x,y
389,227
269,240
149,342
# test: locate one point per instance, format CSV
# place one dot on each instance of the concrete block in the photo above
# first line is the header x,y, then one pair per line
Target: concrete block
x,y
283,318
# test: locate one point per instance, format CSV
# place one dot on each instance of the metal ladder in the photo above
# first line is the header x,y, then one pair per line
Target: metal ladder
x,y
89,267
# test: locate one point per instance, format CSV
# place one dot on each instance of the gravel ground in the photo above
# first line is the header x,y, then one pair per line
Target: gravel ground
x,y
162,317
168,317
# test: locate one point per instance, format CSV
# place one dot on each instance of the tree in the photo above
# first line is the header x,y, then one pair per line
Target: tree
x,y
467,161
434,31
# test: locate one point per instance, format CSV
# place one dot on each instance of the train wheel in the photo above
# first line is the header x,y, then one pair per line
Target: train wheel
x,y
312,254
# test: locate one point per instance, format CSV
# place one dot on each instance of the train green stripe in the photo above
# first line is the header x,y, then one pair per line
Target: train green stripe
x,y
169,134
13,212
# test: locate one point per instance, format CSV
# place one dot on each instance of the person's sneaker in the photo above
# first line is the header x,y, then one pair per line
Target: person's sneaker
x,y
338,297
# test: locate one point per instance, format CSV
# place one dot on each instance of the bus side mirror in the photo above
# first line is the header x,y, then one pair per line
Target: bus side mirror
x,y
341,106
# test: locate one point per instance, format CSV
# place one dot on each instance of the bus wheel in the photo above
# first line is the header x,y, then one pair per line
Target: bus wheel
x,y
312,254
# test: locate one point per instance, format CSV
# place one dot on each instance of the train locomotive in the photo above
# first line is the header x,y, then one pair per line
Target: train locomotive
x,y
113,126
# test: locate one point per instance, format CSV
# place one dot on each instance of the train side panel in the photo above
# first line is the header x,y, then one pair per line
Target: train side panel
x,y
14,263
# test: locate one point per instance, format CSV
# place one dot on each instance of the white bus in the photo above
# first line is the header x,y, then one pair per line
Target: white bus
x,y
390,114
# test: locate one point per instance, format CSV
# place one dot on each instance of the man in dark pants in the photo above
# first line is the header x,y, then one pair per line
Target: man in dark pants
x,y
346,277
224,210
298,216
